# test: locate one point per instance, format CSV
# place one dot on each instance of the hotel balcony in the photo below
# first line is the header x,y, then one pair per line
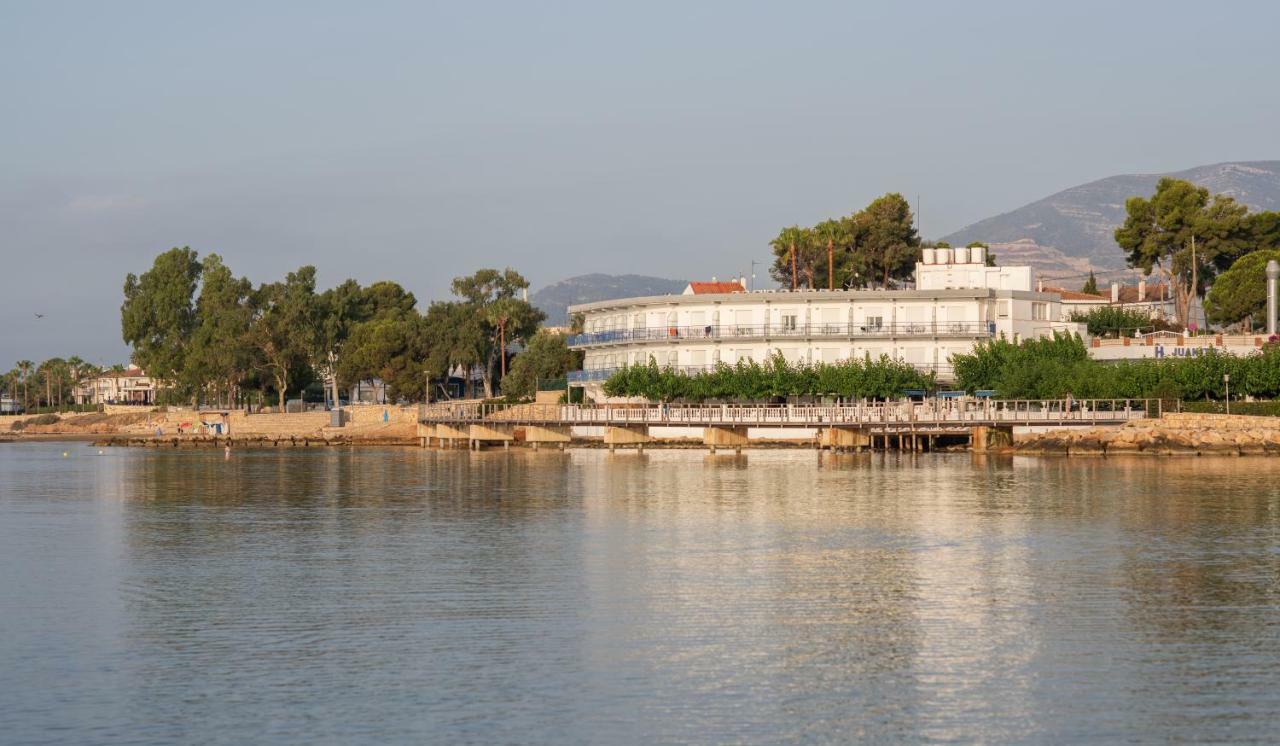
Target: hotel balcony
x,y
942,370
783,331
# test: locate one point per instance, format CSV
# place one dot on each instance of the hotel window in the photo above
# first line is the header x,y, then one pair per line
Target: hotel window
x,y
789,321
741,356
673,358
1039,311
875,322
1002,309
697,358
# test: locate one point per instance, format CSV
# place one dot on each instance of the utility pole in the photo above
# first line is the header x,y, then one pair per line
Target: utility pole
x,y
1195,277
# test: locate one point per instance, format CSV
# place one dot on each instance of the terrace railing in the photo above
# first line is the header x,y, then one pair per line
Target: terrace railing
x,y
772,331
602,374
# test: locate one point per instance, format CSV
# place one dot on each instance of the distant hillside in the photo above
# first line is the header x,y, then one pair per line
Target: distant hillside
x,y
1079,222
555,299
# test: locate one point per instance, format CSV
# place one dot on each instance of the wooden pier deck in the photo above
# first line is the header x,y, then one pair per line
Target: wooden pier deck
x,y
853,425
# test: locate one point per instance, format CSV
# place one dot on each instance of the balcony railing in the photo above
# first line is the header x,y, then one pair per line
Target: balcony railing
x,y
773,331
942,370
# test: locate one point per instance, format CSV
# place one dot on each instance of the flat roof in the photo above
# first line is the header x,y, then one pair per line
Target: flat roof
x,y
809,296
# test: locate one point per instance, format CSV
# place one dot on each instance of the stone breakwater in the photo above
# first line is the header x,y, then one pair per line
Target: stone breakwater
x,y
1172,435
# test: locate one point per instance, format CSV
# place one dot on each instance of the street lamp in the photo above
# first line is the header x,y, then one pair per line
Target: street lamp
x,y
1226,380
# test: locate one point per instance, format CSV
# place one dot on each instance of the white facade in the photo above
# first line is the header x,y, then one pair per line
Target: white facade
x,y
131,386
957,307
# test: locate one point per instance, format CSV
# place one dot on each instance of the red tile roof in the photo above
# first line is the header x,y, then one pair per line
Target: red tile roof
x,y
704,288
1076,295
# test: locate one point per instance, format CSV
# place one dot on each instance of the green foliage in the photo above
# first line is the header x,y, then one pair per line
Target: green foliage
x,y
220,352
1184,233
547,356
158,314
1090,285
1052,368
500,317
1240,293
286,330
753,381
1251,408
876,245
804,243
393,347
1116,321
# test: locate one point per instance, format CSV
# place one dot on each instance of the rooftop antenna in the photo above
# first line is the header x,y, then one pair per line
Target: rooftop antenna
x,y
753,273
919,226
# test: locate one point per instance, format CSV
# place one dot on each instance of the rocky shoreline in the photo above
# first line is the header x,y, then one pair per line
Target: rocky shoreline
x,y
1182,434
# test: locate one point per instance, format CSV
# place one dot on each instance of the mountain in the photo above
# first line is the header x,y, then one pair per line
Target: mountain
x,y
555,299
1072,229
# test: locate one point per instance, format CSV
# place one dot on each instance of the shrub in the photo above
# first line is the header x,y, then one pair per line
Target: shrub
x,y
1111,321
749,380
1052,368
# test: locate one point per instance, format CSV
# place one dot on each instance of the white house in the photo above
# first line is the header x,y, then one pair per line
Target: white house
x,y
957,302
130,386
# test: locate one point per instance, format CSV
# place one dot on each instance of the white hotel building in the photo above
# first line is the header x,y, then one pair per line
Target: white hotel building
x,y
957,301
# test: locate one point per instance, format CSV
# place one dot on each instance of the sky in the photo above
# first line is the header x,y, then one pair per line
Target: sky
x,y
421,141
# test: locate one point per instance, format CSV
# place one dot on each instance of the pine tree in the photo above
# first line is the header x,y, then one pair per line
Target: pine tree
x,y
1090,285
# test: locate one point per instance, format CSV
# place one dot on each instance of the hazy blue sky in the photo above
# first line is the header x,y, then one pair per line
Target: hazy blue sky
x,y
419,141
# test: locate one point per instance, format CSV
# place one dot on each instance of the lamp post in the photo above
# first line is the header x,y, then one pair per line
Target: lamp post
x,y
1226,381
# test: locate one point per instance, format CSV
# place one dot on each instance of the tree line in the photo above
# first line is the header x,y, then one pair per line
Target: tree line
x,y
211,336
50,384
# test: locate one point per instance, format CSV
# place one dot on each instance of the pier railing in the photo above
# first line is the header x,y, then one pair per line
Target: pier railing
x,y
930,413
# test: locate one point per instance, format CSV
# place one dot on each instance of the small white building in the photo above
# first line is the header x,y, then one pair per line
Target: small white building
x,y
957,302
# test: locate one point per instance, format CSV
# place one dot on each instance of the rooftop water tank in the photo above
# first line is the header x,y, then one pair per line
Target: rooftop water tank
x,y
944,256
928,256
979,255
962,255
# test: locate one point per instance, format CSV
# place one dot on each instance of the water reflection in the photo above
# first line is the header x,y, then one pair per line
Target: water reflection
x,y
407,595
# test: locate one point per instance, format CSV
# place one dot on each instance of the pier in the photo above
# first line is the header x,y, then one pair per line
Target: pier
x,y
907,426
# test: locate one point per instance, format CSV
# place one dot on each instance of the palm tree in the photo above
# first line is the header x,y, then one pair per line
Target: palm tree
x,y
25,366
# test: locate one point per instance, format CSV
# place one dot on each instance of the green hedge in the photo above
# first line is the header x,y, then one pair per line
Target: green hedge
x,y
1052,368
1256,408
752,381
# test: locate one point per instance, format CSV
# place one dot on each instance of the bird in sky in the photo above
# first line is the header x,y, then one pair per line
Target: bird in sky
x,y
39,316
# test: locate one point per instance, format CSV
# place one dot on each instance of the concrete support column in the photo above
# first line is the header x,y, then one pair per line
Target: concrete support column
x,y
728,437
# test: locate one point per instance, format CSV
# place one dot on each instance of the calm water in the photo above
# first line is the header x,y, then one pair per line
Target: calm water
x,y
407,596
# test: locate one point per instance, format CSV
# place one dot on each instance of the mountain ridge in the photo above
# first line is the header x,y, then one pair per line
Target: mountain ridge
x,y
554,299
1079,222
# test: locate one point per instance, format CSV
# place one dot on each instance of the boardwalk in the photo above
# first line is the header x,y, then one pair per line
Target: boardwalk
x,y
934,415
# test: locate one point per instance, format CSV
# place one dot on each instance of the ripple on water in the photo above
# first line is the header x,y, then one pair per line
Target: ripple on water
x,y
401,595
